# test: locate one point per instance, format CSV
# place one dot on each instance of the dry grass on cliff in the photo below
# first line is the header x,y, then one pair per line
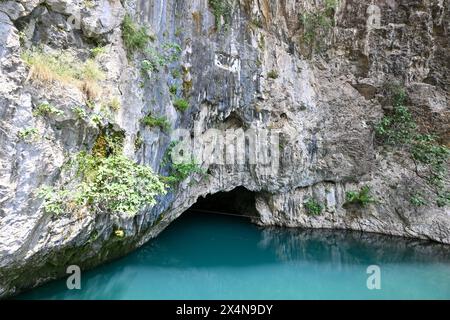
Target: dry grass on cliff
x,y
65,69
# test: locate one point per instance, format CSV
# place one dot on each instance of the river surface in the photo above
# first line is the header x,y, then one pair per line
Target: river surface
x,y
207,256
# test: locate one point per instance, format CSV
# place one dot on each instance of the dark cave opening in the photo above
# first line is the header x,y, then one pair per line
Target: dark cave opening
x,y
239,201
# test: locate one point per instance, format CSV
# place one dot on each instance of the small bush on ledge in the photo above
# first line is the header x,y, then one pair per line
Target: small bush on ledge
x,y
152,122
313,207
46,109
221,9
272,74
135,37
181,104
361,197
28,135
417,200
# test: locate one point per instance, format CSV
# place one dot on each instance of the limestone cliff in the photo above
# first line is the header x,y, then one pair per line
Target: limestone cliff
x,y
317,75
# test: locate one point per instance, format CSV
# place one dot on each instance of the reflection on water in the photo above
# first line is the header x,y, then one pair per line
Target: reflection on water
x,y
213,257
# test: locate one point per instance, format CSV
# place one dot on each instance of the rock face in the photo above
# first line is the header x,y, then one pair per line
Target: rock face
x,y
251,66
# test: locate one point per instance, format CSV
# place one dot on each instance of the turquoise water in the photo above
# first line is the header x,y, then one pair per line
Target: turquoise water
x,y
203,256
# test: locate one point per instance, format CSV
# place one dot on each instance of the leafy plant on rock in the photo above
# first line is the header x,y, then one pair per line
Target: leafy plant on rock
x,y
46,109
361,197
106,181
221,9
398,130
28,135
313,207
157,58
317,24
135,37
179,170
181,104
161,122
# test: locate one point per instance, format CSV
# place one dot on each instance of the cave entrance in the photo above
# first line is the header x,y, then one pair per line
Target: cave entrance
x,y
237,202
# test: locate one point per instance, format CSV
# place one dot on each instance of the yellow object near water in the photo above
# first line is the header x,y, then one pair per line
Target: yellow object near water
x,y
119,233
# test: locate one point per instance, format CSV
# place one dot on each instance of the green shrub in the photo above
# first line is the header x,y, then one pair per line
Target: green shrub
x,y
115,185
97,119
313,207
97,51
362,197
171,52
443,199
221,9
28,135
173,89
158,58
147,66
134,37
317,24
181,104
417,200
120,185
179,171
80,113
272,74
426,151
399,130
153,122
107,182
55,201
46,109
